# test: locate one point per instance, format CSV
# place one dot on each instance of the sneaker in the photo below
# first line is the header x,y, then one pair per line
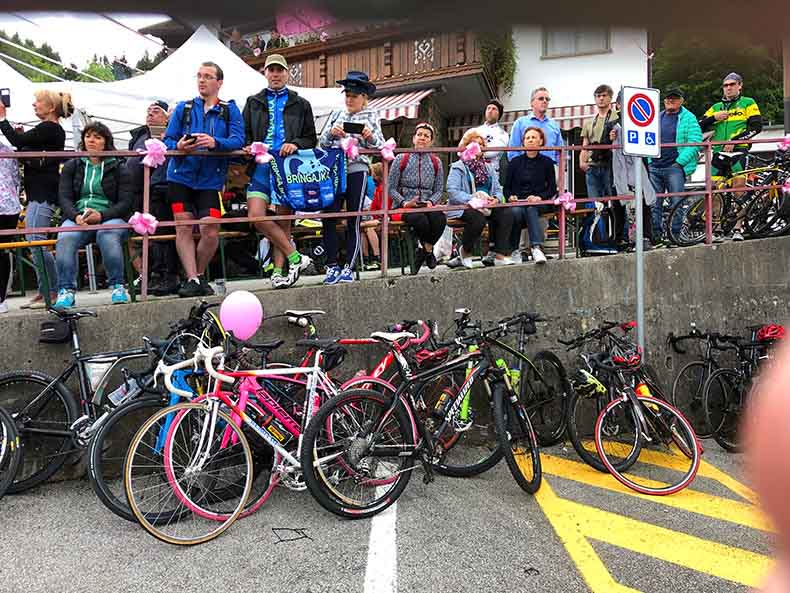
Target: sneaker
x,y
504,261
430,260
279,281
3,307
488,260
206,287
294,270
458,263
119,295
346,276
373,265
189,289
332,275
538,255
737,236
164,287
718,238
419,259
66,299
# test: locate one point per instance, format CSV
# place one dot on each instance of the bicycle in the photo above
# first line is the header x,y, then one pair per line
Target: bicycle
x,y
10,451
360,448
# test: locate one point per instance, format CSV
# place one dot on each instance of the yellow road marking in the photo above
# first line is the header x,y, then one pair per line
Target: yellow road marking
x,y
692,501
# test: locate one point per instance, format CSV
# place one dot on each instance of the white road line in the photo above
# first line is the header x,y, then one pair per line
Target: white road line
x,y
381,573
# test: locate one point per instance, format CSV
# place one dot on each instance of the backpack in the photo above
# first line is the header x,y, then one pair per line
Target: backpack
x,y
434,161
186,116
596,236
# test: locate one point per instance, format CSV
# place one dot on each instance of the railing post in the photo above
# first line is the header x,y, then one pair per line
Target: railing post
x,y
560,189
708,194
146,206
385,227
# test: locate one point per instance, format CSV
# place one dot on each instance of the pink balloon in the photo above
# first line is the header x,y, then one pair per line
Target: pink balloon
x,y
241,313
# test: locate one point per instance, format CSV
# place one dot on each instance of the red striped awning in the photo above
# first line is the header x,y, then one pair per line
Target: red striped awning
x,y
405,105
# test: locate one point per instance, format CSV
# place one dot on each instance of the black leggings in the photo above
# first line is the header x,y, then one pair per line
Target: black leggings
x,y
7,221
353,199
428,226
474,222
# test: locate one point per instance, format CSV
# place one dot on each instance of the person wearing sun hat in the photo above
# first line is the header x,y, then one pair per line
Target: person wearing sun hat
x,y
358,90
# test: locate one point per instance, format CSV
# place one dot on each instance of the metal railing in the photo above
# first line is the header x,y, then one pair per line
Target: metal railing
x,y
385,212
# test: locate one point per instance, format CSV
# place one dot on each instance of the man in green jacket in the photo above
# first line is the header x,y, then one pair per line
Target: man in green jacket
x,y
669,171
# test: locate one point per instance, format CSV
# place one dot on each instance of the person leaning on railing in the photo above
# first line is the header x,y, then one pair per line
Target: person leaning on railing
x,y
93,191
475,181
530,177
416,180
9,216
40,174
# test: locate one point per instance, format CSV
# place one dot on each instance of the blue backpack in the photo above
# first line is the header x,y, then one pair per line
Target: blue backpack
x,y
596,236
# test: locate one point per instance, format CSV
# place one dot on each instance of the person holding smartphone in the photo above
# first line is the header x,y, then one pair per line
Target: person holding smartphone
x,y
363,124
203,124
416,180
41,175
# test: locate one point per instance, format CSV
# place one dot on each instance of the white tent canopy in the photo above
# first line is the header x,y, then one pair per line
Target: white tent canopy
x,y
122,104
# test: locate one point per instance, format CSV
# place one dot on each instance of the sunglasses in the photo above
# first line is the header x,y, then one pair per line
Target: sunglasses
x,y
542,99
726,84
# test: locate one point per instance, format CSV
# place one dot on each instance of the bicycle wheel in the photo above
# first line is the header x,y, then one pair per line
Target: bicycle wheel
x,y
356,455
687,391
543,390
44,411
10,451
670,451
517,439
107,453
466,443
187,474
723,402
691,212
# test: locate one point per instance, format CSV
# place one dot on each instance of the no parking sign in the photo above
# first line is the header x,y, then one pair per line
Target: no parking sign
x,y
641,124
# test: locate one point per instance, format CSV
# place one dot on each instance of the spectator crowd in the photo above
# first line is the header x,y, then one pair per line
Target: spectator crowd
x,y
90,192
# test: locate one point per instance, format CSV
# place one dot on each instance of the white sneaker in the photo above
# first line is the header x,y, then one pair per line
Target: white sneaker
x,y
538,256
3,307
516,256
504,261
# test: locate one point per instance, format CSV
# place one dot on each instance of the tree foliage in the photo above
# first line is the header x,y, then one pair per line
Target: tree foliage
x,y
28,58
148,63
697,62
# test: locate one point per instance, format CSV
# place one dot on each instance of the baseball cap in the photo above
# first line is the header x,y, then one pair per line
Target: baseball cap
x,y
733,76
675,92
161,104
275,60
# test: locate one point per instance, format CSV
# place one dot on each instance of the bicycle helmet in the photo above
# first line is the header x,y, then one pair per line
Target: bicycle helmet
x,y
770,332
586,384
626,355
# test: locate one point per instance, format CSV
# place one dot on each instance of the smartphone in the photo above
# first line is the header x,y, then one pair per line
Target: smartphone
x,y
5,97
352,128
190,138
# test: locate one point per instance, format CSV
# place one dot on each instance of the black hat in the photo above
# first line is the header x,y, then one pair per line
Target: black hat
x,y
675,92
161,104
358,82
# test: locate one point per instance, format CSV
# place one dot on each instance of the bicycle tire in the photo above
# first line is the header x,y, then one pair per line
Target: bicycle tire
x,y
42,455
546,397
723,400
337,427
517,439
693,220
688,389
107,453
192,496
10,451
666,425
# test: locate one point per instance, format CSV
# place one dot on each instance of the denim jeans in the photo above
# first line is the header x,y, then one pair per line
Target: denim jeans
x,y
39,214
110,244
666,180
527,216
599,182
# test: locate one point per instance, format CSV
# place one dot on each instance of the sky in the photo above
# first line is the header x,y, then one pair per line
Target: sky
x,y
77,36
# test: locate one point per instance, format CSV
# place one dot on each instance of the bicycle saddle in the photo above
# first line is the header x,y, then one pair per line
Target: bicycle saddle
x,y
69,315
391,336
261,347
319,343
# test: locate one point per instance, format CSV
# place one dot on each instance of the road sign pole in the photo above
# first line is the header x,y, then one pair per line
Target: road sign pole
x,y
640,257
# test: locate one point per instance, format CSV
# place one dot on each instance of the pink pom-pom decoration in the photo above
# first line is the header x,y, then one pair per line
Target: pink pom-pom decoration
x,y
261,152
154,152
566,200
387,150
143,224
470,153
350,146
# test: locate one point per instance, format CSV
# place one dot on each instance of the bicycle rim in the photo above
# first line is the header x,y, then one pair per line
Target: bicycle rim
x,y
723,401
10,452
202,486
687,396
544,393
670,452
616,437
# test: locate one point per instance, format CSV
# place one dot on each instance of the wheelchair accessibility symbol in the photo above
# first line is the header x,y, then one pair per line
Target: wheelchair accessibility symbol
x,y
650,138
633,137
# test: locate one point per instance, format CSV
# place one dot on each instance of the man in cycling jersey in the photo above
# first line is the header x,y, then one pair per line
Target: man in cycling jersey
x,y
735,117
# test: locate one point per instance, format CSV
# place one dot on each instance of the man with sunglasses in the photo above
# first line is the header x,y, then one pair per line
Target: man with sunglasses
x,y
734,118
538,119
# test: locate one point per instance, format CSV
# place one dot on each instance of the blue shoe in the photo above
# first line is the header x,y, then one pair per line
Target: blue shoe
x,y
332,275
65,300
346,276
119,295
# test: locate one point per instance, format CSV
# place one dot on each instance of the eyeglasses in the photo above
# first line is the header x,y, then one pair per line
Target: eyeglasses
x,y
726,84
542,99
205,77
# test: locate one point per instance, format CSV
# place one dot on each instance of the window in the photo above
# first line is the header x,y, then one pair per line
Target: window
x,y
566,42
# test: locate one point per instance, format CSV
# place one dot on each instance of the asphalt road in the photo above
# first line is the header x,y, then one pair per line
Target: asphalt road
x,y
583,532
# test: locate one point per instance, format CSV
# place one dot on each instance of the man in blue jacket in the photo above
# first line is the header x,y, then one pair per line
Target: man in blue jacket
x,y
203,124
669,171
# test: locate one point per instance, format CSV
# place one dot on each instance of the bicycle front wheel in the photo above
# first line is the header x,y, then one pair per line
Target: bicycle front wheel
x,y
177,465
357,453
687,392
517,440
543,389
10,451
670,452
723,401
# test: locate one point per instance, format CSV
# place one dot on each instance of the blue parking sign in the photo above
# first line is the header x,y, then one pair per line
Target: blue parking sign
x,y
650,138
633,137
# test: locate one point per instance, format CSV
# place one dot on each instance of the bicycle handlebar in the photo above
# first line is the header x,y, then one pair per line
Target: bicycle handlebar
x,y
208,355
